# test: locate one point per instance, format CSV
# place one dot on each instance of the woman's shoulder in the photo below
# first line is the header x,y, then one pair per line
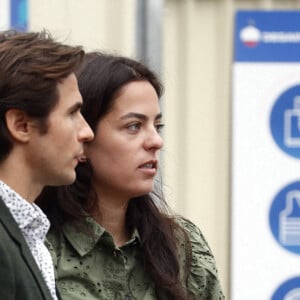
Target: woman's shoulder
x,y
197,245
197,262
194,234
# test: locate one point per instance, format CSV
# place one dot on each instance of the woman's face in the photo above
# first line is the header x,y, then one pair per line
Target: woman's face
x,y
124,153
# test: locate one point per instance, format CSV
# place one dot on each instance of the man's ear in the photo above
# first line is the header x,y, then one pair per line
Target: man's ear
x,y
18,124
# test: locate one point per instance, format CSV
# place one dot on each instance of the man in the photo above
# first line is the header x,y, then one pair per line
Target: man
x,y
42,133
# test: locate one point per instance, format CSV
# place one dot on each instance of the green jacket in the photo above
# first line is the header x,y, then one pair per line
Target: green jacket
x,y
20,277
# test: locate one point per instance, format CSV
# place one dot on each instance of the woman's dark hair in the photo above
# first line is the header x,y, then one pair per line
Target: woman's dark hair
x,y
100,78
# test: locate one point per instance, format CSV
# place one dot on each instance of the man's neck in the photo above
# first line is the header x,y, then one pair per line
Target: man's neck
x,y
17,177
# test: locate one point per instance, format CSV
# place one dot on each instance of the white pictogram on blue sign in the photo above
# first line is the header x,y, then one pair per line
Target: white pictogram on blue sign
x,y
285,121
289,220
292,125
284,217
289,290
293,295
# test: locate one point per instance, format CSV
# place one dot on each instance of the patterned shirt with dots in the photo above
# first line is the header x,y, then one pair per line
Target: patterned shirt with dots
x,y
34,226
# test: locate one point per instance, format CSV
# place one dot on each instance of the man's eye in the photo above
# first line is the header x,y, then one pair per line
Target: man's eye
x,y
75,111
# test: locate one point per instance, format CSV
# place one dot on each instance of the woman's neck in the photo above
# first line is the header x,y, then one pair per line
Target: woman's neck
x,y
113,218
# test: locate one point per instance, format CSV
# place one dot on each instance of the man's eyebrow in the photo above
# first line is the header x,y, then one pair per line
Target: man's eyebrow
x,y
139,116
75,107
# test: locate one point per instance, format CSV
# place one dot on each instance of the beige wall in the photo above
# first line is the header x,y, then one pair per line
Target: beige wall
x,y
197,53
197,109
105,24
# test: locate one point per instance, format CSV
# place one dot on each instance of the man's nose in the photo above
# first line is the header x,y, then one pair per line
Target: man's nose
x,y
86,133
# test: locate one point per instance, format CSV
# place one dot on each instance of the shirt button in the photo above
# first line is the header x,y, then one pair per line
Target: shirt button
x,y
125,259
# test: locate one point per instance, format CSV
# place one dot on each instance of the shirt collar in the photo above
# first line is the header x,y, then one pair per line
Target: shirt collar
x,y
24,213
85,237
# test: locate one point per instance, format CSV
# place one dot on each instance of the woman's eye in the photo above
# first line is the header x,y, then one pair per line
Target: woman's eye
x,y
134,127
159,127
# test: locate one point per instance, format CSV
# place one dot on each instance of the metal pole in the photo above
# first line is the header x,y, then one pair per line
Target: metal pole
x,y
149,32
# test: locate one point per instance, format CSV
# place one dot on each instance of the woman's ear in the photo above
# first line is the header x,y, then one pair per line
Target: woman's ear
x,y
18,125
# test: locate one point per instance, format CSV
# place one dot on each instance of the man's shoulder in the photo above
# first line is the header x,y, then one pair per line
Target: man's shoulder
x,y
18,268
7,224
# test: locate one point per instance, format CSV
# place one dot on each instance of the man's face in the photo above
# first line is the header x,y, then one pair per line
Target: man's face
x,y
54,155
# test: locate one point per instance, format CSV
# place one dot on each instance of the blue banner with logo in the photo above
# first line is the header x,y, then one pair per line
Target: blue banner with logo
x,y
267,36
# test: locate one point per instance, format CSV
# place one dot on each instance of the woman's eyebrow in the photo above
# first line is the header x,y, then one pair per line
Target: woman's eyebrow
x,y
159,116
134,115
139,116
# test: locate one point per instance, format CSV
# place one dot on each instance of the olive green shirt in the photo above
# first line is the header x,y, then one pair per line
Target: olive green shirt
x,y
90,266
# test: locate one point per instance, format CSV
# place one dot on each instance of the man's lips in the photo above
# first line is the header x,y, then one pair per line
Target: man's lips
x,y
81,158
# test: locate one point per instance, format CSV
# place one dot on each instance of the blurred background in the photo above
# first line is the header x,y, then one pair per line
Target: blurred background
x,y
190,44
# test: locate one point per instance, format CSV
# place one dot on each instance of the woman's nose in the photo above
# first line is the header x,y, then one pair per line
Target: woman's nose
x,y
154,140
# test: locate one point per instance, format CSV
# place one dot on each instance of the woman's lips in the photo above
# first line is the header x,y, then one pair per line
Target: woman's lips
x,y
149,167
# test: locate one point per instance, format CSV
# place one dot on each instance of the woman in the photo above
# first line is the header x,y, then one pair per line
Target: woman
x,y
112,236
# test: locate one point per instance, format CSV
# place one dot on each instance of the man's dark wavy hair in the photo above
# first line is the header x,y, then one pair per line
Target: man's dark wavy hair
x,y
31,65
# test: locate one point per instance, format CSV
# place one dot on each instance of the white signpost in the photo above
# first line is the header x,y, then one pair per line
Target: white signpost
x,y
265,262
